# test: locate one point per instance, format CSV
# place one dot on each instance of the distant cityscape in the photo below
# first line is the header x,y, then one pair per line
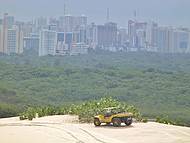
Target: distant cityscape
x,y
73,35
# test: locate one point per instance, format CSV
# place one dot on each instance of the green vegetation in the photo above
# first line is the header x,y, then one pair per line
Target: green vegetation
x,y
166,120
85,111
8,110
157,84
33,112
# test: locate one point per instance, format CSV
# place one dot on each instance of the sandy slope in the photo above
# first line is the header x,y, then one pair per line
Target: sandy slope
x,y
65,129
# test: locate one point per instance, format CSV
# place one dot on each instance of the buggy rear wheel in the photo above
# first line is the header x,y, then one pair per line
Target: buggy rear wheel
x,y
97,122
116,122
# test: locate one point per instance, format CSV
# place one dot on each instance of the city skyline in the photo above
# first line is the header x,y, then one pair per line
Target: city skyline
x,y
170,12
72,35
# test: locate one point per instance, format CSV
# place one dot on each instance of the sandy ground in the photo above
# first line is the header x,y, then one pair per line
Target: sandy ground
x,y
66,129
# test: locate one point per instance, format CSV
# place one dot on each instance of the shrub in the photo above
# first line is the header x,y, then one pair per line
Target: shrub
x,y
88,110
165,120
7,110
144,120
85,111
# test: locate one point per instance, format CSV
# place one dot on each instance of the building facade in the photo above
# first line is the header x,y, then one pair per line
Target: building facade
x,y
69,23
47,43
107,35
14,41
31,42
11,36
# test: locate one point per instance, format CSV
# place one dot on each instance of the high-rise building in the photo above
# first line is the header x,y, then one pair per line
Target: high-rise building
x,y
52,27
81,21
31,42
1,21
173,40
4,30
11,36
140,42
48,42
1,39
132,32
40,24
82,38
135,31
8,20
92,40
62,46
28,28
69,23
151,37
181,39
165,39
53,21
61,24
14,41
66,41
107,35
122,37
79,48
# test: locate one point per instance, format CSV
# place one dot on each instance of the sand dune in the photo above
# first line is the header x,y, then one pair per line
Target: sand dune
x,y
66,129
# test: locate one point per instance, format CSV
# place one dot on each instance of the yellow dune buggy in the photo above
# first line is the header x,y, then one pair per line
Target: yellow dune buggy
x,y
113,116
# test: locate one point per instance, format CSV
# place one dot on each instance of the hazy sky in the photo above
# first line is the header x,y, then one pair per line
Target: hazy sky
x,y
166,12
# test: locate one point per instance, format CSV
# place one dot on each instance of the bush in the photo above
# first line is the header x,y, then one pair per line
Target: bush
x,y
144,120
23,117
32,113
165,120
85,111
7,110
88,110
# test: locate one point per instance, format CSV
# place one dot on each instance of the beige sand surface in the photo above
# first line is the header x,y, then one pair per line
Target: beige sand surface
x,y
66,129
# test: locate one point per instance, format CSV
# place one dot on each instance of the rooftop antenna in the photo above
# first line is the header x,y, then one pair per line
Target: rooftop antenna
x,y
64,9
135,15
108,15
64,27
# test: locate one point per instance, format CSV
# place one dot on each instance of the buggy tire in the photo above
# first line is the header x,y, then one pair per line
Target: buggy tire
x,y
128,123
97,122
116,122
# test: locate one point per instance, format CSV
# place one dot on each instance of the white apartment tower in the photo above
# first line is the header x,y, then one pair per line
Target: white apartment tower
x,y
48,42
